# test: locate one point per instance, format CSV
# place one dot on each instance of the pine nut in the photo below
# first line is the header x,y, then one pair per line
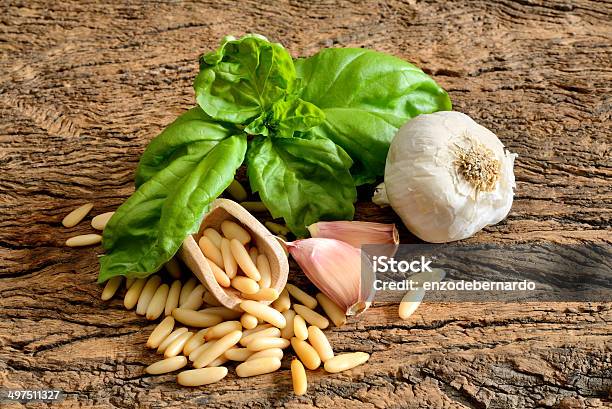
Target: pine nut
x,y
176,347
232,230
261,343
288,331
147,294
237,191
213,236
264,294
267,332
220,276
243,259
346,361
277,228
311,317
132,295
217,349
300,329
320,343
229,263
410,302
187,289
245,285
248,321
111,287
223,312
334,312
170,339
161,332
258,366
100,221
195,319
202,376
210,299
298,376
307,354
302,297
166,365
211,251
253,253
193,355
268,314
195,300
83,240
74,217
194,342
222,329
263,265
128,282
156,306
238,354
272,352
258,328
218,362
254,207
173,297
282,303
173,267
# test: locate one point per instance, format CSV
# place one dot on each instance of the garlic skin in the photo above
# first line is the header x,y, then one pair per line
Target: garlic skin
x,y
447,177
335,267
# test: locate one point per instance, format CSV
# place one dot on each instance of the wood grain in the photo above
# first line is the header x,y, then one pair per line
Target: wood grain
x,y
84,86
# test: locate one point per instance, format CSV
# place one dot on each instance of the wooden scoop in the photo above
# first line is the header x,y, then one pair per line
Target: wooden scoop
x,y
191,255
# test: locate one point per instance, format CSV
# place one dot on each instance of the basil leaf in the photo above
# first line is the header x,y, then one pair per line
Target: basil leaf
x,y
177,139
302,180
147,230
366,96
285,118
244,78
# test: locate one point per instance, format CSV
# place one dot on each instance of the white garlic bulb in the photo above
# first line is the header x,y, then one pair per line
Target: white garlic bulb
x,y
447,177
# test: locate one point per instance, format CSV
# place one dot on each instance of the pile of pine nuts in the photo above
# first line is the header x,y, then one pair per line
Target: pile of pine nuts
x,y
213,335
248,271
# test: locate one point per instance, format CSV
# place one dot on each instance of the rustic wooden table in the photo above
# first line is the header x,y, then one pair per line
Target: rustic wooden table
x,y
85,86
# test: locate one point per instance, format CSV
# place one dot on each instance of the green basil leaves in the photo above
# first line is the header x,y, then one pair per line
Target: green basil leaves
x,y
315,128
148,229
244,78
366,96
302,180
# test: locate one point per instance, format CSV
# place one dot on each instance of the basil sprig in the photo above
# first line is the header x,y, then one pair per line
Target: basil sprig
x,y
315,128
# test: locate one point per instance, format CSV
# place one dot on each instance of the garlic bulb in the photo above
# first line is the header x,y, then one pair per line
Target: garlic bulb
x,y
447,177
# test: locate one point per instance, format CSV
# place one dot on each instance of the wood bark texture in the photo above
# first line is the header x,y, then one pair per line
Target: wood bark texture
x,y
85,85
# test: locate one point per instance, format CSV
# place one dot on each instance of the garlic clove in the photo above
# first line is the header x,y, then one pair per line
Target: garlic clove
x,y
357,234
335,267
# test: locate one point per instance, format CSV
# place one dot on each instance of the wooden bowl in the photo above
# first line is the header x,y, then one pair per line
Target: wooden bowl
x,y
191,255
